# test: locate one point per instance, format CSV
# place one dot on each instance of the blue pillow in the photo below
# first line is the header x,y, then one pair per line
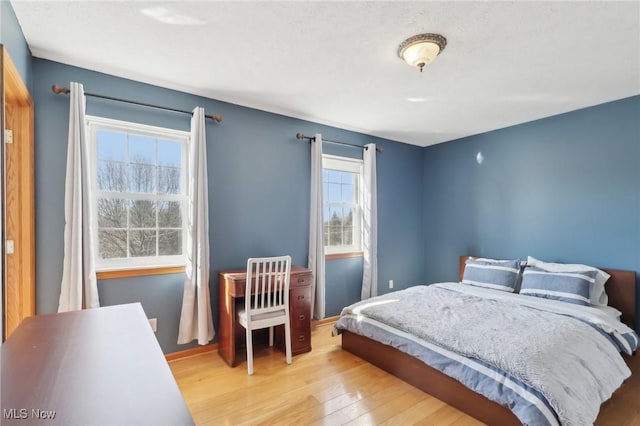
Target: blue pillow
x,y
490,273
571,287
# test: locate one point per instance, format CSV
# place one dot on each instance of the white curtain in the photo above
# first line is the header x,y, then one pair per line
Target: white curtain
x,y
316,235
196,321
369,224
79,288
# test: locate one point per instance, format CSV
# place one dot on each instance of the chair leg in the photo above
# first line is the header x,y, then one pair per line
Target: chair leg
x,y
249,352
270,336
287,339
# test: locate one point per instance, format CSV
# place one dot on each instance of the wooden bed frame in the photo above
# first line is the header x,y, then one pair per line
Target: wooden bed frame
x,y
621,289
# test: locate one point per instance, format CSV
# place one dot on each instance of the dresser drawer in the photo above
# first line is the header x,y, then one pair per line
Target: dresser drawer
x,y
300,280
300,319
300,341
300,297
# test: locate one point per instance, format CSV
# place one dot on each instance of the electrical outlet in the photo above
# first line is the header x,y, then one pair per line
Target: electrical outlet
x,y
153,322
390,283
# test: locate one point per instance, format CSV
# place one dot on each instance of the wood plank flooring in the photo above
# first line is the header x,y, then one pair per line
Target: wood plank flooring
x,y
329,386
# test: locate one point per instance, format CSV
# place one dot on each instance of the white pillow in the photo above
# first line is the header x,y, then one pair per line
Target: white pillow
x,y
597,294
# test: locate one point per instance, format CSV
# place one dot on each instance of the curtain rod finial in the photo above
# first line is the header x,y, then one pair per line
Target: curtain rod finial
x,y
59,89
299,136
216,118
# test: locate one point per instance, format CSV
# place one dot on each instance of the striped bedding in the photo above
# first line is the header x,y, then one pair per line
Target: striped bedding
x,y
547,361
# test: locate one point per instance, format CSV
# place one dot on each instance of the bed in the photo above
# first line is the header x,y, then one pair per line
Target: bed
x,y
403,361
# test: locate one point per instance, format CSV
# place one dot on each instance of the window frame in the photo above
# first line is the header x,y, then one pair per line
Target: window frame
x,y
93,125
356,166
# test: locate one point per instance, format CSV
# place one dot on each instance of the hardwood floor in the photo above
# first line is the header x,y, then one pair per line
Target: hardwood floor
x,y
329,386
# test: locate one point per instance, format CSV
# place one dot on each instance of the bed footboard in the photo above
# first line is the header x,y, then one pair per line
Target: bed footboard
x,y
428,379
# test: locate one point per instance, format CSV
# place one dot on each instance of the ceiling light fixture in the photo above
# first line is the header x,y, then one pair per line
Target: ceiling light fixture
x,y
421,49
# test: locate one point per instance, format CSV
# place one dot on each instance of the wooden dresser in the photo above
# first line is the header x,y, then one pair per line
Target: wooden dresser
x,y
99,366
231,335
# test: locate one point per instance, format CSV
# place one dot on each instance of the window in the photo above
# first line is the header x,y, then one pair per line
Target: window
x,y
139,194
341,211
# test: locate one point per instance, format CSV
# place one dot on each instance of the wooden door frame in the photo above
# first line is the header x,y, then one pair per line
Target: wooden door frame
x,y
17,179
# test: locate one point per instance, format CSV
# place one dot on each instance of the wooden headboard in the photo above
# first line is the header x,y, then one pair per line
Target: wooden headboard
x,y
621,289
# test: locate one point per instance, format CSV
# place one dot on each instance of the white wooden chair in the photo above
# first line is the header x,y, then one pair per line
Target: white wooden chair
x,y
266,301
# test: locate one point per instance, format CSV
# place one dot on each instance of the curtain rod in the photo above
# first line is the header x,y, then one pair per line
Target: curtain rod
x,y
58,89
300,136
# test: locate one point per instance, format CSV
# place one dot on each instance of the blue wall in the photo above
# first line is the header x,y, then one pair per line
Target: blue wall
x,y
258,192
564,188
12,38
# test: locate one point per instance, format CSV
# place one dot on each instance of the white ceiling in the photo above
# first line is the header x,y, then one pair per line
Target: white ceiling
x,y
336,62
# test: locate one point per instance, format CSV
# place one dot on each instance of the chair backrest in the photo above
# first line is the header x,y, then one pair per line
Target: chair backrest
x,y
267,287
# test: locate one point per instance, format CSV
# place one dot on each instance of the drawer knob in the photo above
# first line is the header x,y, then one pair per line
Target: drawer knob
x,y
301,338
300,297
300,280
301,317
